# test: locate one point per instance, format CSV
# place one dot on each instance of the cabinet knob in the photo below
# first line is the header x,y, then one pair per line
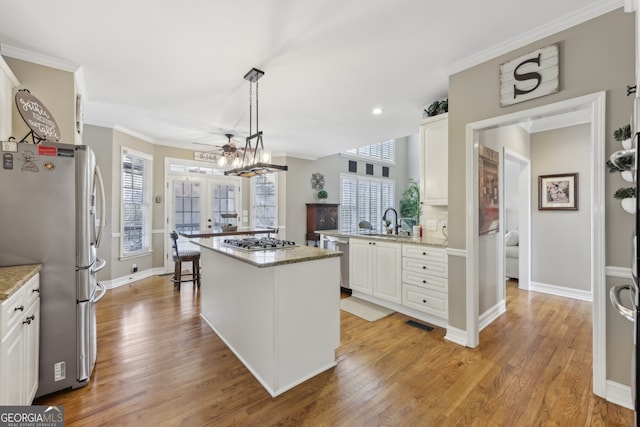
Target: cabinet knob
x,y
29,319
424,281
424,301
19,308
424,267
424,253
35,290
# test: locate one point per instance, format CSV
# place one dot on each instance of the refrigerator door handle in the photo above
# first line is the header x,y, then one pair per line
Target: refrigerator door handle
x,y
614,296
103,292
101,265
102,206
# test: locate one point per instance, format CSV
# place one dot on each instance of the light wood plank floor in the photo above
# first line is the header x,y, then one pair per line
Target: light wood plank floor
x,y
159,364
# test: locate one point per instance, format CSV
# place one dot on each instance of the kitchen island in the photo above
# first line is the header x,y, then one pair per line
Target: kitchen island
x,y
277,310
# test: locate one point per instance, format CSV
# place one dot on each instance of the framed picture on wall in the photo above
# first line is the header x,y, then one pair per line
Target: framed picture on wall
x,y
558,192
488,186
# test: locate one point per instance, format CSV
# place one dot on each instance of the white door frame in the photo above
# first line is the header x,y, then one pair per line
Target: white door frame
x,y
524,216
595,104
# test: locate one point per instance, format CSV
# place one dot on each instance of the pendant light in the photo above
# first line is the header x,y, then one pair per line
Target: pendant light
x,y
255,159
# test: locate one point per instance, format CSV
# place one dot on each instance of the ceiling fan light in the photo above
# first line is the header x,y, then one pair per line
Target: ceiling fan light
x,y
222,161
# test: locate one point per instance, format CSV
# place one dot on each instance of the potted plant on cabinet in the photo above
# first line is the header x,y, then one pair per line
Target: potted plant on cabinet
x,y
627,195
322,195
623,135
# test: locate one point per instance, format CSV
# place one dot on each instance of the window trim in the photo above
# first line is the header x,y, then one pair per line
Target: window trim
x,y
277,198
147,196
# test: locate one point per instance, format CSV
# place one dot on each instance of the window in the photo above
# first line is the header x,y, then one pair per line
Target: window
x,y
364,199
383,152
136,206
265,200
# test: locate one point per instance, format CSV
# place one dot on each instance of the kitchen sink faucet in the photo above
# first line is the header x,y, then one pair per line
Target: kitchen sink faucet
x,y
396,225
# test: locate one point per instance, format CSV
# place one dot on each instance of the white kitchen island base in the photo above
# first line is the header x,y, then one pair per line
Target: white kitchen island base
x,y
282,321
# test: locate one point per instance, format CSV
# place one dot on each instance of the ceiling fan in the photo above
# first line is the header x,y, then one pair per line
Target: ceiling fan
x,y
229,154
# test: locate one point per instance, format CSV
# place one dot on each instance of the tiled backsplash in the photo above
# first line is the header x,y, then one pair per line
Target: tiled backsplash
x,y
439,214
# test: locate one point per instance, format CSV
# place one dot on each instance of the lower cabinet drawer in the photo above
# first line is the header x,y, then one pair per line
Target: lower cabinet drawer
x,y
12,311
425,300
425,267
422,280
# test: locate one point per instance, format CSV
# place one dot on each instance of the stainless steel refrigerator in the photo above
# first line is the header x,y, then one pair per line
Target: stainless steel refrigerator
x,y
52,212
629,307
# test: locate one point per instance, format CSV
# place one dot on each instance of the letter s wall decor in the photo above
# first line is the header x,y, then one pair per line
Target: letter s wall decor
x,y
529,76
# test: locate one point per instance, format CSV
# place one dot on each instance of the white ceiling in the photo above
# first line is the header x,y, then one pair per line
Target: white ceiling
x,y
173,71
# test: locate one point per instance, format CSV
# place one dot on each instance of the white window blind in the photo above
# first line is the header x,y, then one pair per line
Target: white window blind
x,y
383,152
364,199
265,200
136,206
348,204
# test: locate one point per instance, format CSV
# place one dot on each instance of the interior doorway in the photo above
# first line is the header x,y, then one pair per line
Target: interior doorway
x,y
517,217
594,106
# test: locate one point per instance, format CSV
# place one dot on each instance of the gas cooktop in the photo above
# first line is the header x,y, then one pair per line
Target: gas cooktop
x,y
258,243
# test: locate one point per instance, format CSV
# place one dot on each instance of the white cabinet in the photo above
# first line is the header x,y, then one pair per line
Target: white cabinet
x,y
375,268
19,345
425,279
434,158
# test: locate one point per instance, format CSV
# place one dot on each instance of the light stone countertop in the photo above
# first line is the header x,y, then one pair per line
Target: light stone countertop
x,y
267,258
411,240
12,278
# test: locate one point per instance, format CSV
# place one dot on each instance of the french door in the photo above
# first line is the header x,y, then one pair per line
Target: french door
x,y
196,203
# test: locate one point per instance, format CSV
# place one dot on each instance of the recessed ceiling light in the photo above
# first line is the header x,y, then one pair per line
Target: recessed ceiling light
x,y
376,111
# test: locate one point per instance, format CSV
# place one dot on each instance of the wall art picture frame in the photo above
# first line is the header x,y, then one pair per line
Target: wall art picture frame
x,y
489,190
558,192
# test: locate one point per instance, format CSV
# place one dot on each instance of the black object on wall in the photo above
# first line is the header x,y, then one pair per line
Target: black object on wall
x,y
385,171
369,169
353,166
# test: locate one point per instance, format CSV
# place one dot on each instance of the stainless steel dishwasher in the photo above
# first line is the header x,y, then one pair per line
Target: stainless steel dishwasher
x,y
342,245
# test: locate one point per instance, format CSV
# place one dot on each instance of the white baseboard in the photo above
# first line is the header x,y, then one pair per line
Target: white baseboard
x,y
456,336
619,394
121,281
561,291
492,314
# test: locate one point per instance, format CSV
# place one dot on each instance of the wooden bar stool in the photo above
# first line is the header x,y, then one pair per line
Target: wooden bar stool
x,y
180,256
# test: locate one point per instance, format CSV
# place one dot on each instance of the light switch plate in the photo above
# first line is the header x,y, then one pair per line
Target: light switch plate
x,y
432,225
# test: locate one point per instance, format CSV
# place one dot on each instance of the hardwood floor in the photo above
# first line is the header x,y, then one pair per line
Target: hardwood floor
x,y
159,364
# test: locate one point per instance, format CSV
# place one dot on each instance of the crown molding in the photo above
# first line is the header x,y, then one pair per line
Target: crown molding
x,y
134,134
38,58
553,27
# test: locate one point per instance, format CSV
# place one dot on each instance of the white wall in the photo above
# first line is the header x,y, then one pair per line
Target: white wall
x,y
298,191
560,240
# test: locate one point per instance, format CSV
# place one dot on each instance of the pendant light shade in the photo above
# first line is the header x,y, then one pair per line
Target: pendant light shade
x,y
255,159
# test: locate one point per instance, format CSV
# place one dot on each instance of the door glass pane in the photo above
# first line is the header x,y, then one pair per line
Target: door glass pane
x,y
186,204
223,201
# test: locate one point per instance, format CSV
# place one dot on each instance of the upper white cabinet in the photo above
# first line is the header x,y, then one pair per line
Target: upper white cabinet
x,y
434,165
